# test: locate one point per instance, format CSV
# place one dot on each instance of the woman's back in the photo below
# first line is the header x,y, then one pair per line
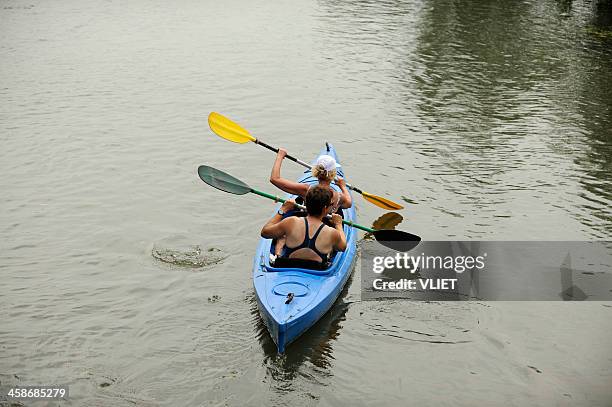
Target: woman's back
x,y
309,239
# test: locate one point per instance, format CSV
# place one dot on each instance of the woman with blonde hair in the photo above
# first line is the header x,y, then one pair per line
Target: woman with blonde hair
x,y
324,170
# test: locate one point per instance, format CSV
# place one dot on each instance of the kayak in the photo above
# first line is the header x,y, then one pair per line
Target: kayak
x,y
293,299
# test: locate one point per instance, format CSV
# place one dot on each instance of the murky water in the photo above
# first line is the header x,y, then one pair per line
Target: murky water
x,y
491,120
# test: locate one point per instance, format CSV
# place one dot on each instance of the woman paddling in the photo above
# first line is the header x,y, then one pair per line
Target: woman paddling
x,y
309,241
324,170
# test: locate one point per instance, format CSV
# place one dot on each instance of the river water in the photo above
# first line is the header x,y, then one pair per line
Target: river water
x,y
488,120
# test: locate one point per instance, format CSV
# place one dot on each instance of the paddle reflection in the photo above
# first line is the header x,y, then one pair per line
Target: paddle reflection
x,y
388,221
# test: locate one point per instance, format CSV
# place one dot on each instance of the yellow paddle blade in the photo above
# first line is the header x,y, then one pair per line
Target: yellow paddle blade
x,y
387,221
224,127
381,202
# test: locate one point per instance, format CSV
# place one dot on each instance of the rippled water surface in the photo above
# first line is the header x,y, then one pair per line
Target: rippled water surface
x,y
489,120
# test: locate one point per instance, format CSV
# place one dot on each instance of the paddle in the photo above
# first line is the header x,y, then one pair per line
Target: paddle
x,y
227,129
394,239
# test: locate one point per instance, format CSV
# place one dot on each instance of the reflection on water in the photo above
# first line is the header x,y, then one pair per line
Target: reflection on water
x,y
506,106
315,346
594,100
388,220
518,87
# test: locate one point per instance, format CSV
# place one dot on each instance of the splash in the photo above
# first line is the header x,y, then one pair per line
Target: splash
x,y
180,251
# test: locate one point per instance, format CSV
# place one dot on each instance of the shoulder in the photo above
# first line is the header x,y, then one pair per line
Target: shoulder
x,y
293,222
290,220
330,231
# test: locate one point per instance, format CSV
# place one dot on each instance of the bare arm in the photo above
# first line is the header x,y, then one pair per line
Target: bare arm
x,y
347,201
277,226
340,241
286,185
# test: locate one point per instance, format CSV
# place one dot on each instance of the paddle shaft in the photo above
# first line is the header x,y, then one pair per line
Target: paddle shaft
x,y
297,160
278,199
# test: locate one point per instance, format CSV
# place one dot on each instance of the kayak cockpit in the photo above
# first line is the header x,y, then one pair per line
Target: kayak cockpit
x,y
281,264
306,266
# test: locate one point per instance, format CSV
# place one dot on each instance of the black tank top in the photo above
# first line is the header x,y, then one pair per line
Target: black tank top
x,y
308,243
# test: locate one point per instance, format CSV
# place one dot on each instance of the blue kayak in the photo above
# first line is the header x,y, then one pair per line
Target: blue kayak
x,y
291,300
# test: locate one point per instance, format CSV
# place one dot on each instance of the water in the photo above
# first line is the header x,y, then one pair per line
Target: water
x,y
490,121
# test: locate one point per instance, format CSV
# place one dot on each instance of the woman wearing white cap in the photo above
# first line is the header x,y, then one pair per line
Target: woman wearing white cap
x,y
323,170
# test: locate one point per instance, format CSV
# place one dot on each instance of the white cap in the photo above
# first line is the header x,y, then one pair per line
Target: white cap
x,y
327,162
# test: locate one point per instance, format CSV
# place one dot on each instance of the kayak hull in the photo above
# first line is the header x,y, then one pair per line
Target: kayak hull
x,y
313,291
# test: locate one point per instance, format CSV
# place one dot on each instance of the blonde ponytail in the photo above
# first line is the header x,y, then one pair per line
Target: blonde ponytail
x,y
320,173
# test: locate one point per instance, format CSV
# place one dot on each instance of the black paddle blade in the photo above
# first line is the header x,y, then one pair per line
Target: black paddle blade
x,y
222,180
397,239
